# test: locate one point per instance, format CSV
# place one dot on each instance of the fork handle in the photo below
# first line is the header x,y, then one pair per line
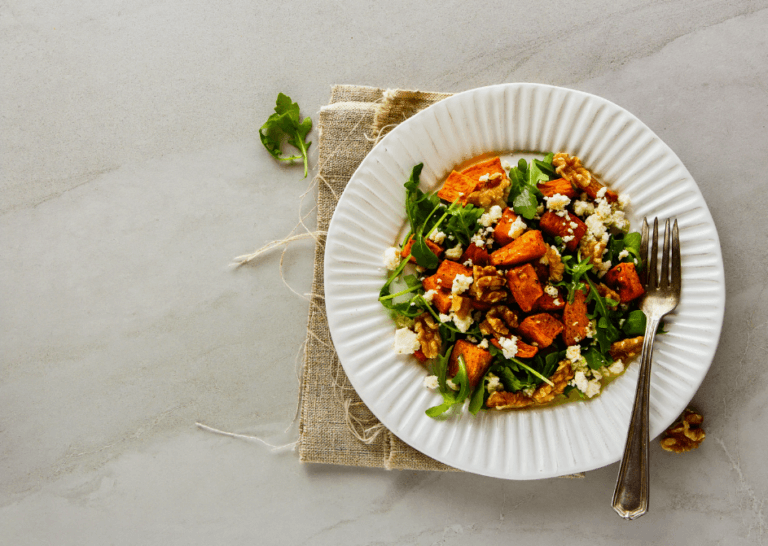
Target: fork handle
x,y
630,498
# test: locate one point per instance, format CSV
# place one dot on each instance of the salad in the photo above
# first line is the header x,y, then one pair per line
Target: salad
x,y
516,286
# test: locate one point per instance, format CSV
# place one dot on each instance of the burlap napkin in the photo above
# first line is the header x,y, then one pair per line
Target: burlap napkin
x,y
335,425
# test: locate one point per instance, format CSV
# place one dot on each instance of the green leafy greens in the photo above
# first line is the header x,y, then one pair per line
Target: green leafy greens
x,y
286,125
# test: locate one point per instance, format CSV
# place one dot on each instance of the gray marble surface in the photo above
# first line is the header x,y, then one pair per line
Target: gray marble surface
x,y
131,173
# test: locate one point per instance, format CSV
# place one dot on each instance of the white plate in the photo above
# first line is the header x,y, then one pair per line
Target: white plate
x,y
509,119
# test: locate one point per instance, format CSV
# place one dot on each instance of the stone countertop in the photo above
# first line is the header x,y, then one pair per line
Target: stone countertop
x,y
132,173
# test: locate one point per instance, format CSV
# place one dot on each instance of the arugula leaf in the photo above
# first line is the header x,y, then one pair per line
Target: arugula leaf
x,y
607,332
286,125
462,222
635,323
411,308
629,242
423,254
525,203
478,396
595,359
451,398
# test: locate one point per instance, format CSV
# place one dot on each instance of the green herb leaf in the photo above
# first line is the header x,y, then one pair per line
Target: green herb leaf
x,y
635,323
525,203
462,222
285,125
451,398
595,359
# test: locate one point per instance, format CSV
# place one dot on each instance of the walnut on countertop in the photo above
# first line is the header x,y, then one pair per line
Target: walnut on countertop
x,y
488,285
428,333
626,349
498,321
686,434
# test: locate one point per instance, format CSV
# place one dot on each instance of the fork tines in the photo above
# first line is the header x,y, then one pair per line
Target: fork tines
x,y
649,274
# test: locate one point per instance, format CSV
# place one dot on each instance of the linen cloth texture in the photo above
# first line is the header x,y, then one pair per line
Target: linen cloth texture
x,y
335,426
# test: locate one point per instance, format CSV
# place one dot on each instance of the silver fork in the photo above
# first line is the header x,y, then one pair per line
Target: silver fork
x,y
662,294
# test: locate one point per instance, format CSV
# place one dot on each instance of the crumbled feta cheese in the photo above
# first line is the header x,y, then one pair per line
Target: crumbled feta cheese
x,y
573,353
462,324
540,209
557,201
528,391
437,237
451,385
406,341
478,239
568,238
619,220
494,384
583,208
601,192
420,269
488,231
483,344
573,225
595,225
444,318
472,339
624,200
505,165
603,268
485,177
461,283
603,210
556,301
616,368
431,382
551,290
508,346
593,388
580,381
517,228
392,258
428,295
468,263
623,254
455,252
491,217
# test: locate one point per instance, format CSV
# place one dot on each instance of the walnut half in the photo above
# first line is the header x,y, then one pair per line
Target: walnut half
x,y
686,434
428,333
626,348
498,321
488,285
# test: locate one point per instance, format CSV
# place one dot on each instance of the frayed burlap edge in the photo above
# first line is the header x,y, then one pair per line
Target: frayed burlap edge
x,y
335,426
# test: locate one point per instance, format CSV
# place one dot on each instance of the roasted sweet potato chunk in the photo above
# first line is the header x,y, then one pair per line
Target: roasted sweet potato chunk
x,y
501,231
489,167
529,246
594,188
448,271
458,187
477,360
576,323
559,226
541,329
624,278
561,186
442,298
525,286
523,349
434,247
550,303
478,255
420,356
